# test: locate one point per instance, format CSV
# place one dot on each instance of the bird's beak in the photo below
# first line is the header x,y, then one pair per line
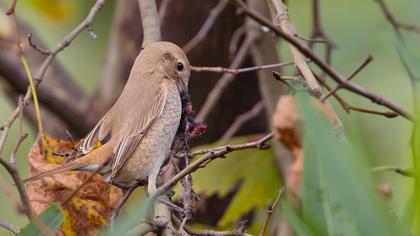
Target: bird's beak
x,y
182,87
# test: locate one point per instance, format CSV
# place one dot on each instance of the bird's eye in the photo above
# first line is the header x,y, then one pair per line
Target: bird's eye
x,y
179,66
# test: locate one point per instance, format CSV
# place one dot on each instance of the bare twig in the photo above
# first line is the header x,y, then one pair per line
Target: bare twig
x,y
150,22
36,47
241,120
368,59
318,31
12,158
270,211
21,189
348,108
225,80
323,65
14,229
214,13
12,8
395,23
238,71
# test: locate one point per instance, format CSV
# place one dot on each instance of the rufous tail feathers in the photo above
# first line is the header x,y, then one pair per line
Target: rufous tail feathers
x,y
97,156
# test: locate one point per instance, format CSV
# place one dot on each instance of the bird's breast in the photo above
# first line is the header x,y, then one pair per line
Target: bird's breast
x,y
154,147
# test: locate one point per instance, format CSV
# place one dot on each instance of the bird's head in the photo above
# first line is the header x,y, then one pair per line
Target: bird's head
x,y
170,61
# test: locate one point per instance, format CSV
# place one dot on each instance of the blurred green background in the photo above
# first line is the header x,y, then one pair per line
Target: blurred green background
x,y
357,27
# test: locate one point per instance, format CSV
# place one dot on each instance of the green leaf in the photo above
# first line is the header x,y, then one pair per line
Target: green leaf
x,y
256,169
51,217
338,195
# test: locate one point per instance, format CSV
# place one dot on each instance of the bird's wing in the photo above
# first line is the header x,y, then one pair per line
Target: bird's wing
x,y
148,111
98,133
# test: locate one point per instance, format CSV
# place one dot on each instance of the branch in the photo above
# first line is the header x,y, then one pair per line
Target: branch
x,y
15,230
241,70
323,65
368,59
21,189
318,32
150,22
214,13
270,212
348,108
225,80
241,120
395,23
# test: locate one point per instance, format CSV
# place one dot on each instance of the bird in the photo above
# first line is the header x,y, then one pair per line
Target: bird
x,y
138,130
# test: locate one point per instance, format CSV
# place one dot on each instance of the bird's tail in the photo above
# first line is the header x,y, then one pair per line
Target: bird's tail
x,y
65,167
95,159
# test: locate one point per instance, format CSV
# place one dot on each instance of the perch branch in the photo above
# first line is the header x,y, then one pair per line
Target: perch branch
x,y
212,155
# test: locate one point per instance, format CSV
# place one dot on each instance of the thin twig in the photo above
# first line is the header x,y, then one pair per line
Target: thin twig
x,y
21,189
36,47
225,80
348,108
323,65
12,158
238,71
395,23
14,229
318,32
241,120
208,24
368,59
270,211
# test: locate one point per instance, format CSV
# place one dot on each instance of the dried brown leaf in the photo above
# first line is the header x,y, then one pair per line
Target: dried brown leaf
x,y
89,209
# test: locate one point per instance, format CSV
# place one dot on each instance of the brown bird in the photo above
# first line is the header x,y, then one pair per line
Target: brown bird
x,y
140,127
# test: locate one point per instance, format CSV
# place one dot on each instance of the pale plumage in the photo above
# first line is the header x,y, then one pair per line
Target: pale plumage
x,y
142,123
